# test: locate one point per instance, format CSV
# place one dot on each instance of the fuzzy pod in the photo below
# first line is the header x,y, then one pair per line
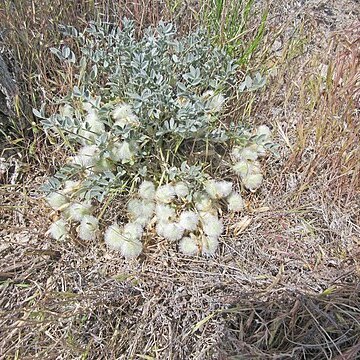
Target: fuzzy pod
x,y
113,237
259,149
202,201
235,202
189,220
87,156
147,213
88,228
169,230
244,168
248,153
189,246
218,189
121,111
58,230
134,207
164,213
124,240
131,249
67,111
77,211
141,211
57,200
253,181
214,101
122,152
264,132
131,120
181,189
147,190
209,245
212,225
70,186
165,194
133,231
91,128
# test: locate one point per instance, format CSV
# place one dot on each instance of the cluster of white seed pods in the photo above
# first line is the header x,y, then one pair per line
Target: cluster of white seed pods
x,y
194,225
246,165
172,210
77,212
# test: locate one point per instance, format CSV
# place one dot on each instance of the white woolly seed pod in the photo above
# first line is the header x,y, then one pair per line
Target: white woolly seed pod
x,y
123,115
123,241
236,153
259,149
160,228
131,120
70,186
189,220
147,213
92,127
134,208
121,111
207,94
253,181
188,245
209,245
141,211
93,122
242,168
131,249
87,156
87,106
165,193
235,202
58,230
113,237
147,190
78,210
224,188
181,189
214,102
88,227
133,231
265,132
212,225
170,231
202,201
122,152
211,189
164,213
218,189
57,200
248,154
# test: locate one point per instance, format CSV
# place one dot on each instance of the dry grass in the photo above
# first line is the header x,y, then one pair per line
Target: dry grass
x,y
285,283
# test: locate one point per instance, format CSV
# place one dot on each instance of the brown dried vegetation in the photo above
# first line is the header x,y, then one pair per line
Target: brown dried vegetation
x,y
285,283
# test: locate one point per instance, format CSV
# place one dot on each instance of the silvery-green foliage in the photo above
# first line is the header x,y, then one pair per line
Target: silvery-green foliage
x,y
146,114
138,99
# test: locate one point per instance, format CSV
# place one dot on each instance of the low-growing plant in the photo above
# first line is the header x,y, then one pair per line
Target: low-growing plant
x,y
148,120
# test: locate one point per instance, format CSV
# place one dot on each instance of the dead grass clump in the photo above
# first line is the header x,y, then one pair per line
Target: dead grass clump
x,y
327,150
29,29
294,326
